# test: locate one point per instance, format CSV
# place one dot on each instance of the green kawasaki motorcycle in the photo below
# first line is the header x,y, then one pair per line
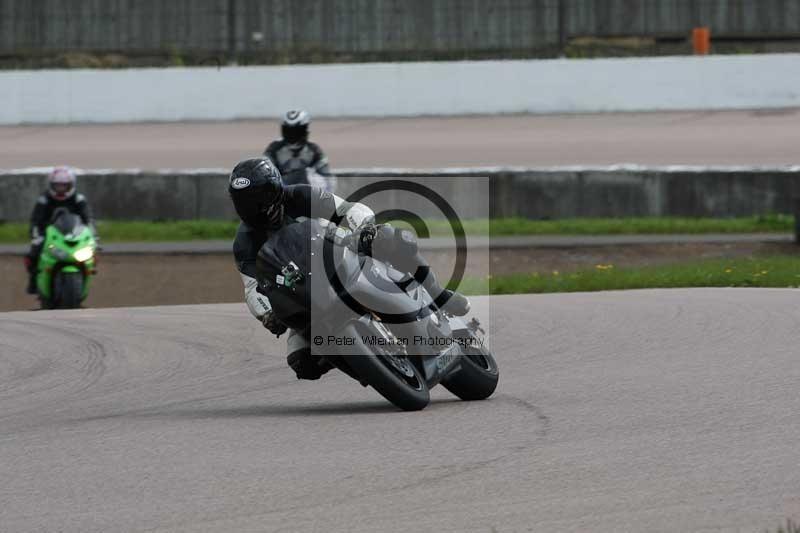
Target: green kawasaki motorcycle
x,y
67,262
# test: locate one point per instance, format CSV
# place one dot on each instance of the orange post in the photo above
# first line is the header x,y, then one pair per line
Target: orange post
x,y
701,40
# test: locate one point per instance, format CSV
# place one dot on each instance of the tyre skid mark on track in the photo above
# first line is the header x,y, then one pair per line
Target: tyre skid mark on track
x,y
543,420
38,390
145,413
91,369
18,374
163,410
444,473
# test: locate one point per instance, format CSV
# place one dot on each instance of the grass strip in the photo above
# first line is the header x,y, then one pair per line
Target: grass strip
x,y
771,271
183,230
129,231
643,225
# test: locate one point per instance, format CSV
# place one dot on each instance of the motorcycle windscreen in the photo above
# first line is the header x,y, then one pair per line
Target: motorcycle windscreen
x,y
381,289
67,223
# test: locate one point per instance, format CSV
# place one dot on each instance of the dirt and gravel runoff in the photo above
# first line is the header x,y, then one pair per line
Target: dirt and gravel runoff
x,y
630,411
697,138
156,279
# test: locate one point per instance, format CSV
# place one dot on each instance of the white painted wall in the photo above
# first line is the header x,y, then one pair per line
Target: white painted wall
x,y
402,89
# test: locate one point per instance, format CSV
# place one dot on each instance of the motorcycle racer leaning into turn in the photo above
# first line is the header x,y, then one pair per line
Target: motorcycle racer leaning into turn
x,y
265,204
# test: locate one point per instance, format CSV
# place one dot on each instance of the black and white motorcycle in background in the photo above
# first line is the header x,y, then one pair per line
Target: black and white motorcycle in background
x,y
369,320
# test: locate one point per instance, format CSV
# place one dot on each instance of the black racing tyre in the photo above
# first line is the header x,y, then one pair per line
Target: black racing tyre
x,y
395,378
477,378
67,290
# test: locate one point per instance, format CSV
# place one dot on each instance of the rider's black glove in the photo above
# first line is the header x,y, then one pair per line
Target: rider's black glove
x,y
275,326
366,234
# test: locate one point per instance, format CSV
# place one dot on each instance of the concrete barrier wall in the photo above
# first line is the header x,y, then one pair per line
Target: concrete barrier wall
x,y
402,89
532,193
369,26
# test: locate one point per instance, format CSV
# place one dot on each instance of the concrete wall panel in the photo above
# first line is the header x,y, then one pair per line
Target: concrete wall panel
x,y
402,89
532,193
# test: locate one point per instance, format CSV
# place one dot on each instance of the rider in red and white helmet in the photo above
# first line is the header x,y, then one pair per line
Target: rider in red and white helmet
x,y
61,192
61,183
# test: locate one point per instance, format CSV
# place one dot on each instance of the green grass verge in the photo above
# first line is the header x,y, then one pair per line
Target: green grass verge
x,y
643,225
773,271
127,231
118,231
619,226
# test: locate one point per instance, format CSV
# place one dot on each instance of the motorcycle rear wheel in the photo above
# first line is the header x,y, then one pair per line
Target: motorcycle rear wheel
x,y
394,377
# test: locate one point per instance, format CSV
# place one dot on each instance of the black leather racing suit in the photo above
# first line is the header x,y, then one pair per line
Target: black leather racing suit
x,y
298,201
293,159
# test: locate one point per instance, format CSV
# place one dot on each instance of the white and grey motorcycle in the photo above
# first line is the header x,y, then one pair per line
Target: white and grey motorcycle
x,y
369,320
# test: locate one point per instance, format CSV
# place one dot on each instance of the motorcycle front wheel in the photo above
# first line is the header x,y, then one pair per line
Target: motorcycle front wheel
x,y
67,290
394,377
477,379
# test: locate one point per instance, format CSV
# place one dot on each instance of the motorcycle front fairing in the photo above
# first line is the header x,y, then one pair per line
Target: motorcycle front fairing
x,y
407,309
69,247
381,289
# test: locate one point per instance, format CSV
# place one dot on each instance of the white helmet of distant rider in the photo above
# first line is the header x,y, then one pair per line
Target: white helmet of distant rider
x,y
61,183
294,127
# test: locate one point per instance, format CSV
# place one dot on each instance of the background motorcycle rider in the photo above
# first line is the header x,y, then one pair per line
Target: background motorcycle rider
x,y
296,157
61,192
265,204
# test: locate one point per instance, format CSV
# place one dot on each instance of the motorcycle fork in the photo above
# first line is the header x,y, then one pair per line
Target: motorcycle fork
x,y
391,338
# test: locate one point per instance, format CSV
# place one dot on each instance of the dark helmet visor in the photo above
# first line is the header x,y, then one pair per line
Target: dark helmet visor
x,y
256,209
61,188
295,134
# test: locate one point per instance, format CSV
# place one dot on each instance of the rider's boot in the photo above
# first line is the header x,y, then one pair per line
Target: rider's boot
x,y
306,366
31,283
29,266
453,302
449,301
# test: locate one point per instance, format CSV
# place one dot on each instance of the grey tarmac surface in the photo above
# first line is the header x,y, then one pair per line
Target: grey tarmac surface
x,y
687,138
637,411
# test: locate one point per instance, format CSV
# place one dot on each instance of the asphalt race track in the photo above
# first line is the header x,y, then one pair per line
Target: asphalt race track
x,y
618,411
693,137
